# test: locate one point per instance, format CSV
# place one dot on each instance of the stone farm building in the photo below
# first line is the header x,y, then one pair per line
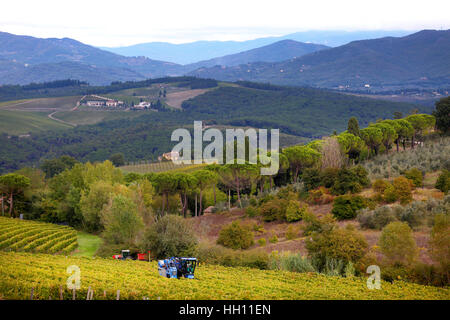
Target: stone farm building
x,y
97,101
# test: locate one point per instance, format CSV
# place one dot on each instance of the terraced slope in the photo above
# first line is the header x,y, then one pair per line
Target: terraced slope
x,y
32,236
20,272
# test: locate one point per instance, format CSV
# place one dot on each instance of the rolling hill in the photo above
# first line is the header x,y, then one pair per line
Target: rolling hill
x,y
418,60
302,112
24,59
278,51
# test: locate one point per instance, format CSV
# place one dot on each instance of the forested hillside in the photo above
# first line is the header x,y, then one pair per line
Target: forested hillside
x,y
303,112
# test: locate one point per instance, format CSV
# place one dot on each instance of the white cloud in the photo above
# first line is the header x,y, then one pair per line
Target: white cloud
x,y
114,23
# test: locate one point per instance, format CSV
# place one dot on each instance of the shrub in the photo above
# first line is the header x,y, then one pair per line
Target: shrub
x,y
347,206
236,236
273,210
362,175
328,177
380,186
273,239
443,181
319,196
311,178
295,211
397,243
287,193
415,175
290,262
440,241
340,244
403,188
390,195
251,211
376,219
318,225
416,214
346,181
262,242
258,228
429,275
170,236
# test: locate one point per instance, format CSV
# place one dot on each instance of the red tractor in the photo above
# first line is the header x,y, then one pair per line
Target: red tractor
x,y
132,256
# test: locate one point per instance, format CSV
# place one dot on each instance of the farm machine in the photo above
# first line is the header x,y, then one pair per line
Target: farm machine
x,y
173,267
177,267
126,255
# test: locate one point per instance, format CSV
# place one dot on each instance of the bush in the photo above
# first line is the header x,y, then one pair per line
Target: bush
x,y
340,244
397,243
362,175
420,273
319,196
311,178
380,185
251,211
273,239
236,236
295,211
346,181
429,275
273,210
415,175
170,236
440,241
347,206
443,181
290,262
416,214
390,194
317,225
376,219
328,177
262,242
403,188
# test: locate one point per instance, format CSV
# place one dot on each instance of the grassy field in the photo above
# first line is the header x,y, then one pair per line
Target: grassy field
x,y
88,244
84,115
32,236
22,122
136,279
42,104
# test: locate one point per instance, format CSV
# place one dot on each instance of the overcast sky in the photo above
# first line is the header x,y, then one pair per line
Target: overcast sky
x,y
118,23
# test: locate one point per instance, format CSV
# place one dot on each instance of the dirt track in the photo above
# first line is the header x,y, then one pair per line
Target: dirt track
x,y
175,99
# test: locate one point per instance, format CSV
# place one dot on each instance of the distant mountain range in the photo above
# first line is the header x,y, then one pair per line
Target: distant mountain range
x,y
421,59
278,51
25,58
187,53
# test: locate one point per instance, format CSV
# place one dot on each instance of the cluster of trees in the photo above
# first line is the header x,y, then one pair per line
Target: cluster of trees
x,y
319,162
69,87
